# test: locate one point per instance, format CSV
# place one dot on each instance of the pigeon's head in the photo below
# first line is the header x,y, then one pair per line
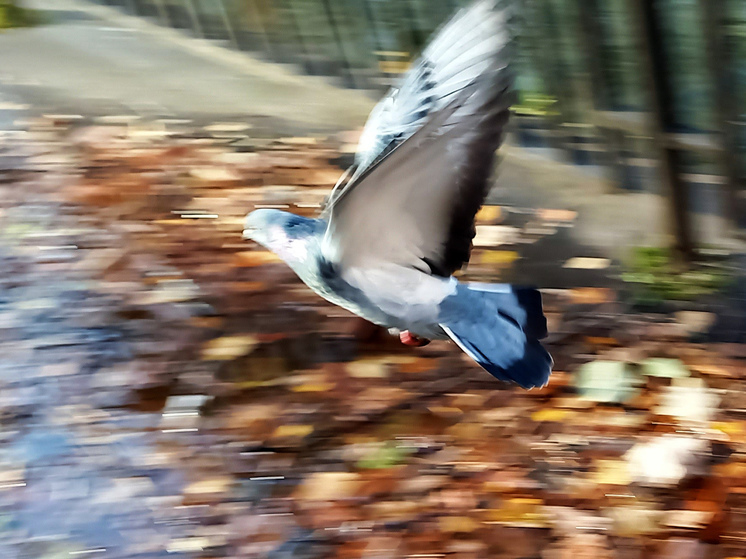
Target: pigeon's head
x,y
284,233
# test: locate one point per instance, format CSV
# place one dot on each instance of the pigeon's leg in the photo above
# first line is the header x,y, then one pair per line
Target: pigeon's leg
x,y
407,338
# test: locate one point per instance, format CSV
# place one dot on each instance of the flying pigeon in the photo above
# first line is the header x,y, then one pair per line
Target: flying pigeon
x,y
400,221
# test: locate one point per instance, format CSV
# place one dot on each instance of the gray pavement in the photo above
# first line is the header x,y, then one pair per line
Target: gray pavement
x,y
83,64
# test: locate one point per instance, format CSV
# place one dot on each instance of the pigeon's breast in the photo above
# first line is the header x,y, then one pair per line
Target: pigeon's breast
x,y
324,279
390,296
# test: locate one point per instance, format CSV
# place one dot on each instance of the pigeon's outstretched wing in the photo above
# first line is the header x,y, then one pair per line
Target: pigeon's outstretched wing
x,y
459,52
415,204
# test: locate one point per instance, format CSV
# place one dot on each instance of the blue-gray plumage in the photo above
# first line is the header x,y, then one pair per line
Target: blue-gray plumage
x,y
401,221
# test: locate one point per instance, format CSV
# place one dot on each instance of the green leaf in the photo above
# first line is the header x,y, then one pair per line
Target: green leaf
x,y
664,368
386,456
606,381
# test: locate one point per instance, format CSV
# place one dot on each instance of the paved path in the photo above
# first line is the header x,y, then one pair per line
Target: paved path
x,y
86,65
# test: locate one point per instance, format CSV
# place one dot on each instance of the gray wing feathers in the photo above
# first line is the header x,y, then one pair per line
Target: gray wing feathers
x,y
415,205
416,209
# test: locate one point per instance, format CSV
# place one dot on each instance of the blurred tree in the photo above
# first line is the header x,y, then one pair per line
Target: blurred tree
x,y
14,15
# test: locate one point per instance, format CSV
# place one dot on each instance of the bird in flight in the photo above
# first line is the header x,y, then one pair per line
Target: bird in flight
x,y
400,221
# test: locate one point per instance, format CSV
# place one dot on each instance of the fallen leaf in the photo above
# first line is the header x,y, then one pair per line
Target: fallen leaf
x,y
206,486
687,519
188,545
585,263
520,511
591,295
666,460
606,381
299,141
551,414
454,524
689,399
383,456
612,472
665,368
252,258
216,176
227,127
323,486
488,214
368,368
228,347
634,520
497,257
417,365
292,431
557,215
696,322
494,235
313,387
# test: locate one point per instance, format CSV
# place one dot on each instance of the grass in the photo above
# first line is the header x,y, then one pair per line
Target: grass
x,y
535,104
12,15
656,277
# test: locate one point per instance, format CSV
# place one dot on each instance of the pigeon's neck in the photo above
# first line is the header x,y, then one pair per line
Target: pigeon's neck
x,y
298,253
321,275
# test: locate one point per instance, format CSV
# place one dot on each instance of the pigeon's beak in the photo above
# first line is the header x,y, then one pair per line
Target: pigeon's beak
x,y
249,232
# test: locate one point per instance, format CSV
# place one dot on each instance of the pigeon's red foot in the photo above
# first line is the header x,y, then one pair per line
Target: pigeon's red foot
x,y
407,338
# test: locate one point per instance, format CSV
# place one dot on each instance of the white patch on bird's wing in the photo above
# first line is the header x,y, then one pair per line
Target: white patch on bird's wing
x,y
490,287
458,342
402,292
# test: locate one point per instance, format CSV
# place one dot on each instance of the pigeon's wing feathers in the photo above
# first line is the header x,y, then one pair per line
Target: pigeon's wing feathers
x,y
463,48
416,205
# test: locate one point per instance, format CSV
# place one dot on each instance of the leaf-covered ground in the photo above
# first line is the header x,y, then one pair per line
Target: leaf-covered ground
x,y
169,390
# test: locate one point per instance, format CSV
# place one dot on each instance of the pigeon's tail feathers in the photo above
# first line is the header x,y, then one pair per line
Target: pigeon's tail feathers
x,y
500,327
520,304
503,350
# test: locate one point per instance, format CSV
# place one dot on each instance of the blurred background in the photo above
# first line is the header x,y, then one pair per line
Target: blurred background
x,y
168,390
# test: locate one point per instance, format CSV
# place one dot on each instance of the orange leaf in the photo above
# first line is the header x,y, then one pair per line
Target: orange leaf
x,y
253,258
591,295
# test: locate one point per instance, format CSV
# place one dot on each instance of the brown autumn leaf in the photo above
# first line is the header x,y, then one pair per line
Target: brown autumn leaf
x,y
591,295
228,348
253,258
329,486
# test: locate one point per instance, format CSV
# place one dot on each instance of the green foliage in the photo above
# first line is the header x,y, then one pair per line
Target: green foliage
x,y
664,368
535,104
656,276
12,15
606,381
386,456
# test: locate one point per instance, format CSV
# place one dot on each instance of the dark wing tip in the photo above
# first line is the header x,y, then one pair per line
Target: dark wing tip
x,y
474,182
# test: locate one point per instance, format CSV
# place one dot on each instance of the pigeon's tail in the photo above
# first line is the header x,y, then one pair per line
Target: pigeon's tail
x,y
503,335
521,304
